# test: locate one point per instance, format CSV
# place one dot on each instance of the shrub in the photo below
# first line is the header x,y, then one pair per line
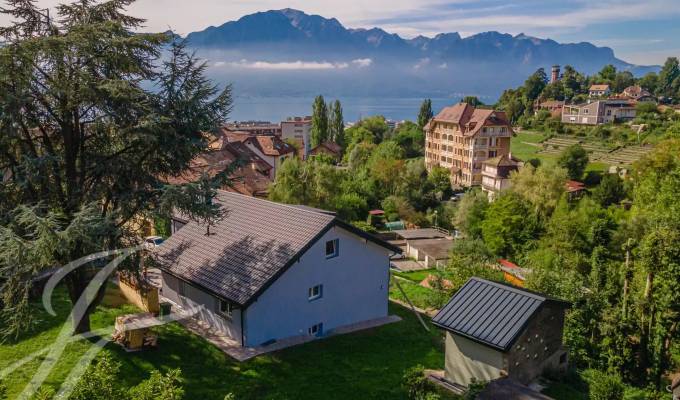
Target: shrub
x,y
474,389
3,391
415,383
159,387
365,226
603,386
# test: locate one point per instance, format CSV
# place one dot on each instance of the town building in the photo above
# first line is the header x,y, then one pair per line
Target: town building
x,y
637,93
299,130
495,330
329,148
599,91
251,177
254,127
599,112
674,388
496,174
461,137
553,106
430,247
272,271
268,147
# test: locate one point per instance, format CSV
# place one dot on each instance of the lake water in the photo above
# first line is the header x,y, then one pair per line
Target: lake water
x,y
276,109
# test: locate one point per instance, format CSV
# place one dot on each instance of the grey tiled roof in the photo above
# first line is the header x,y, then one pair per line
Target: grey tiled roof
x,y
490,313
248,249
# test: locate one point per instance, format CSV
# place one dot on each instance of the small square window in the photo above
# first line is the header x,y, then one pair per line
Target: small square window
x,y
316,330
315,292
225,308
332,249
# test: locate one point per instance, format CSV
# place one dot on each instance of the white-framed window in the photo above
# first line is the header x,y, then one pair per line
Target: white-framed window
x,y
225,308
332,246
315,330
493,154
315,292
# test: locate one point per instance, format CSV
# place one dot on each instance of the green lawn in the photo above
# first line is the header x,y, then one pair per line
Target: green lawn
x,y
415,276
524,145
366,365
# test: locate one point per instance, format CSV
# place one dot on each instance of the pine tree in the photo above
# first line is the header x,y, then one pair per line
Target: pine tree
x,y
319,121
85,141
425,114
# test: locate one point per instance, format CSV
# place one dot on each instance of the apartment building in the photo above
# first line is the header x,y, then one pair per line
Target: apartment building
x,y
461,138
298,129
599,112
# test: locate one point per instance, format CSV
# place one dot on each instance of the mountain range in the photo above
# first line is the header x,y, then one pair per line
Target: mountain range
x,y
289,51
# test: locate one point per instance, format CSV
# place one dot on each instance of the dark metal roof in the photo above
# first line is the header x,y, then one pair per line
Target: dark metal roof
x,y
490,313
249,249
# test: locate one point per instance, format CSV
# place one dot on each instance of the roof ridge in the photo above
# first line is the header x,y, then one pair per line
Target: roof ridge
x,y
291,206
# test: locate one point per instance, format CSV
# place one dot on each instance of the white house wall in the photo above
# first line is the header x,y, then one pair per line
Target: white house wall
x,y
355,288
205,304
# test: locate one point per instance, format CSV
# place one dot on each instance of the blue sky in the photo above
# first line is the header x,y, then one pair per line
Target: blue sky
x,y
639,31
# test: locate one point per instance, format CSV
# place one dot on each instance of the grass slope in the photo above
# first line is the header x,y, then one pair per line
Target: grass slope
x,y
366,365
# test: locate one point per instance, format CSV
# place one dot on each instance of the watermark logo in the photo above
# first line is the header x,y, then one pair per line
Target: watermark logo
x,y
53,353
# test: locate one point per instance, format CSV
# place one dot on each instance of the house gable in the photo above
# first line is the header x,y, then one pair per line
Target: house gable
x,y
353,287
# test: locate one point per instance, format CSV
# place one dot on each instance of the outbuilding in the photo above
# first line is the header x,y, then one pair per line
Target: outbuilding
x,y
495,330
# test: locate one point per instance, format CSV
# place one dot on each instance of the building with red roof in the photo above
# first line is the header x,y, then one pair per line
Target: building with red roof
x,y
461,138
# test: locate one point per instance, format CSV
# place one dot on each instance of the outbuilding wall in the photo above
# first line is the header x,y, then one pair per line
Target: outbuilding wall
x,y
467,360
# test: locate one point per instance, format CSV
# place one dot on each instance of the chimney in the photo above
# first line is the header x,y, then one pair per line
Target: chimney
x,y
555,76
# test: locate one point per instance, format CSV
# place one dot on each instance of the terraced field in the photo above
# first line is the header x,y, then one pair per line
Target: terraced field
x,y
598,153
626,155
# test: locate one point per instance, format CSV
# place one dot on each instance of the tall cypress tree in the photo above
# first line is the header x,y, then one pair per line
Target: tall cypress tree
x,y
337,123
425,114
319,121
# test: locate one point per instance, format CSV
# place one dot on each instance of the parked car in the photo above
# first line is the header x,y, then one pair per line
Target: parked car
x,y
152,242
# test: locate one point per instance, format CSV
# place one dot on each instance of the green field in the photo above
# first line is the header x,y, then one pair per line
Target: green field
x,y
526,145
366,365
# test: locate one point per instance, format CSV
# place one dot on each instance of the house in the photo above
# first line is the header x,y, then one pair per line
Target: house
x,y
329,148
251,177
496,174
461,137
495,330
637,93
299,130
575,189
553,106
270,148
272,271
599,112
599,91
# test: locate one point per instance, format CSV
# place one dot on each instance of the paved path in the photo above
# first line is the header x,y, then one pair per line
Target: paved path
x,y
407,265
